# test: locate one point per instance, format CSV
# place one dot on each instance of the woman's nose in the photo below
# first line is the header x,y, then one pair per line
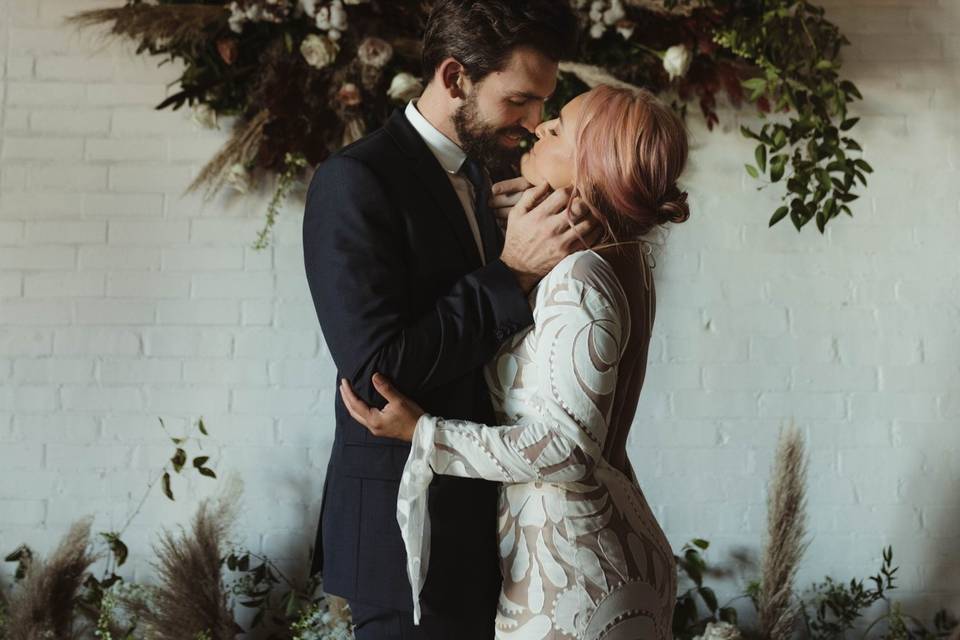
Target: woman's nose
x,y
540,129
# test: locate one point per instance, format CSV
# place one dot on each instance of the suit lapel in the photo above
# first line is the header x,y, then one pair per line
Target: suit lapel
x,y
435,179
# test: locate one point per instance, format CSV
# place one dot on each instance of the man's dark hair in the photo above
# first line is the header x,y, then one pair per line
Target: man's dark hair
x,y
481,34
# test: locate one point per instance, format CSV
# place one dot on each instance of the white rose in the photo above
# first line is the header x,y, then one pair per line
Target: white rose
x,y
597,30
676,61
323,18
721,631
318,51
338,16
309,7
614,14
404,87
204,116
596,10
334,35
374,52
238,178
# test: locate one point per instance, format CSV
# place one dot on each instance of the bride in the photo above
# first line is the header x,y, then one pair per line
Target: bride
x,y
582,555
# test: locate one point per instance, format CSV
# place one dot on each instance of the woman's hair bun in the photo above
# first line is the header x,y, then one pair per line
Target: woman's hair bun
x,y
673,206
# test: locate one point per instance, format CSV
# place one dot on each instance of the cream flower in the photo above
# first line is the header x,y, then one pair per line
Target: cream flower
x,y
404,87
676,61
338,16
318,51
204,116
374,52
720,631
238,178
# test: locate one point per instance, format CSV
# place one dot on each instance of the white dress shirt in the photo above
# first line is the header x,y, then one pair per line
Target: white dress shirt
x,y
451,158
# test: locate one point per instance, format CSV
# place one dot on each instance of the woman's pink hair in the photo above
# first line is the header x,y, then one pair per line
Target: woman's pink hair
x,y
630,150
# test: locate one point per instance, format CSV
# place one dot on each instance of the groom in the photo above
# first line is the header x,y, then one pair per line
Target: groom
x,y
412,278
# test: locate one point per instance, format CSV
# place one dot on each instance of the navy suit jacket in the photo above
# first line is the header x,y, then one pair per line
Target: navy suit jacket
x,y
400,289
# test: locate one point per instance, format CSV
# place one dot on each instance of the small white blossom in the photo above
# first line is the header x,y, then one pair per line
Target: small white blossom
x,y
596,10
597,30
720,631
204,116
404,87
338,16
614,14
625,28
374,52
334,35
323,18
318,51
676,61
309,7
238,178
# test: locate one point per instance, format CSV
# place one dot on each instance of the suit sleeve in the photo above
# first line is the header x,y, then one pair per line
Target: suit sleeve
x,y
355,250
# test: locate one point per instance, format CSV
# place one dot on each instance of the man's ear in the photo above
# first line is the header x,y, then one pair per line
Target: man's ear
x,y
453,78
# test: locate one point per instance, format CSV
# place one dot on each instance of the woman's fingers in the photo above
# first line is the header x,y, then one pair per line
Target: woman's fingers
x,y
357,408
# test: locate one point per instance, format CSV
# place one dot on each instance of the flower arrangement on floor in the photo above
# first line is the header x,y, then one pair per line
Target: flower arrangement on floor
x,y
304,77
194,600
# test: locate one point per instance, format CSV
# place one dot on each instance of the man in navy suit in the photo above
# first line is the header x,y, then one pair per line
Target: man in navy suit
x,y
412,278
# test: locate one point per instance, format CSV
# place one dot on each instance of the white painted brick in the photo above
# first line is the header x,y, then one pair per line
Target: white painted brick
x,y
16,120
187,400
831,377
27,484
889,405
189,342
119,258
66,232
251,371
153,370
254,342
23,148
223,231
23,341
790,350
199,259
800,405
138,284
296,315
746,377
46,285
32,313
708,404
113,311
128,122
230,285
765,321
125,94
199,312
22,512
149,178
28,94
123,204
256,313
313,373
36,204
11,285
102,399
165,233
20,67
126,149
274,401
68,177
96,341
37,258
70,122
53,370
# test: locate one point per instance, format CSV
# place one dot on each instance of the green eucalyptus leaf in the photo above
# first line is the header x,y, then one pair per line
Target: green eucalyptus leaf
x,y
761,156
179,459
166,485
752,170
778,216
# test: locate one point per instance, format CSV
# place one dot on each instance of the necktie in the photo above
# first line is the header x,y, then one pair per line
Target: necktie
x,y
489,234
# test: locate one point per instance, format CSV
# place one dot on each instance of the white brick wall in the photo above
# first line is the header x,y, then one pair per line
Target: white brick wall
x,y
122,301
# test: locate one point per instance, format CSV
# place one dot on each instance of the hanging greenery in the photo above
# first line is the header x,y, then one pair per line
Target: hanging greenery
x,y
305,77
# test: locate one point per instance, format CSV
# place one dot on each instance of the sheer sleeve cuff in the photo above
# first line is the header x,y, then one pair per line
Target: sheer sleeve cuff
x,y
412,514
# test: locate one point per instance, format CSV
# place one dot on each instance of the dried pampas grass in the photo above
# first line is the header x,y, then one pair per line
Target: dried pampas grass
x,y
190,598
239,149
786,528
154,26
592,76
43,605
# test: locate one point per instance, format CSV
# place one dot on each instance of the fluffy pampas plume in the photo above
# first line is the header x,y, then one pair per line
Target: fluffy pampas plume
x,y
43,605
786,528
190,598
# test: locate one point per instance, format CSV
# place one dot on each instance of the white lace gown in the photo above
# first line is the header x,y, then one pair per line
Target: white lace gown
x,y
582,555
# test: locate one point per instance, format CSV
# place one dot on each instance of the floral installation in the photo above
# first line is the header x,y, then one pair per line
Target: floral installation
x,y
302,78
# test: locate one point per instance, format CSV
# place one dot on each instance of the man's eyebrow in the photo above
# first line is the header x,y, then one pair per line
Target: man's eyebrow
x,y
528,95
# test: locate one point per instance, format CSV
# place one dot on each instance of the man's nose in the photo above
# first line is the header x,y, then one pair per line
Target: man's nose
x,y
533,118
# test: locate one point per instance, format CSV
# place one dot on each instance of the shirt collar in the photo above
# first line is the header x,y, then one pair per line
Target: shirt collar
x,y
447,152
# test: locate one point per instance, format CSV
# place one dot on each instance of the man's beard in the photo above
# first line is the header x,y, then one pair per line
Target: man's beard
x,y
481,141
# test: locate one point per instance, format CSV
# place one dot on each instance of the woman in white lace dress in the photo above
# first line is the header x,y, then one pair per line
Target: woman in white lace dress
x,y
582,555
